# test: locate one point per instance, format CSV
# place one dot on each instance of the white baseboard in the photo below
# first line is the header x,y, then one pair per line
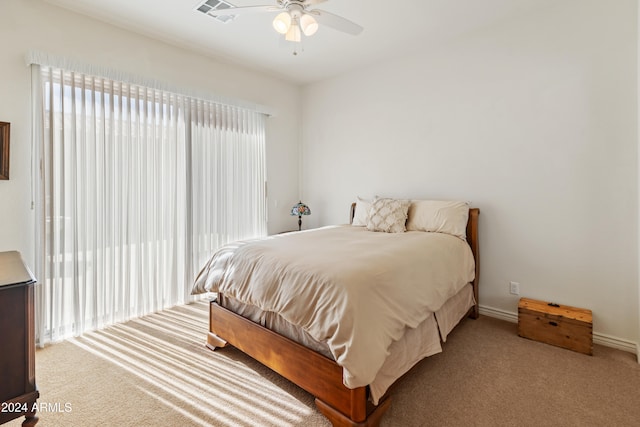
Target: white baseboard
x,y
615,342
601,339
499,314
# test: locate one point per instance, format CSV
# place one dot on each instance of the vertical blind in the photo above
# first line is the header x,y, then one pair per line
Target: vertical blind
x,y
136,188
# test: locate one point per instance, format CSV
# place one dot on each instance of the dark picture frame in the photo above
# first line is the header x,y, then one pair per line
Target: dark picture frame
x,y
4,149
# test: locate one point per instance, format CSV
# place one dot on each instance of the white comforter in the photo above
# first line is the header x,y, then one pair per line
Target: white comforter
x,y
355,289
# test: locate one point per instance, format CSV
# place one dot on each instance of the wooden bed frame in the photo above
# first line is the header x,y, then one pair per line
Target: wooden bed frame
x,y
315,373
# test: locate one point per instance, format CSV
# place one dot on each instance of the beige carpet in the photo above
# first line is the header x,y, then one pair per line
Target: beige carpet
x,y
155,371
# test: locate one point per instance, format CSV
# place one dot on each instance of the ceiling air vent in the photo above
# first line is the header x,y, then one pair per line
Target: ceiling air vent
x,y
209,7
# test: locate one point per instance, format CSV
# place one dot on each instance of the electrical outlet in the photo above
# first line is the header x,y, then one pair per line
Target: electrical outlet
x,y
514,288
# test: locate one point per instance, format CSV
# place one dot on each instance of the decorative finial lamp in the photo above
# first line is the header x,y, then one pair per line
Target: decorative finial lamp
x,y
298,210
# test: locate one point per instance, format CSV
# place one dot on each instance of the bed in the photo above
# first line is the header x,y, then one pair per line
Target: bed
x,y
348,390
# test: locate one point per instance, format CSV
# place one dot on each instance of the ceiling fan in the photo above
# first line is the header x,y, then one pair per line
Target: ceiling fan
x,y
296,17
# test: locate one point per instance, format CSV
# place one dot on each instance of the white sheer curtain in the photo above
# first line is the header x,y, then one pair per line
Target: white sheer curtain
x,y
136,188
225,141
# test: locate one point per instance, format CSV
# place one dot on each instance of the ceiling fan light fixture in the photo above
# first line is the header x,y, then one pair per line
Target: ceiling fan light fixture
x,y
282,23
294,34
308,25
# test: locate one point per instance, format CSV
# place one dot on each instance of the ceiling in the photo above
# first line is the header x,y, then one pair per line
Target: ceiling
x,y
392,28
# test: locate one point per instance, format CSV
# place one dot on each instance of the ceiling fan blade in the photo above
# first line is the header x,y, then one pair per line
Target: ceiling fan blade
x,y
243,10
312,2
337,22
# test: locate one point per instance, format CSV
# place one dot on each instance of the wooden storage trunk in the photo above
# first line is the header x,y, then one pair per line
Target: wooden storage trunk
x,y
560,325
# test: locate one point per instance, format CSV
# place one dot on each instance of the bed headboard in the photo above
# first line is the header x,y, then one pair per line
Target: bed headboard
x,y
472,240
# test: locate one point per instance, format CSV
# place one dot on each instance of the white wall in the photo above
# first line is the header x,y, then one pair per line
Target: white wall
x,y
534,121
34,25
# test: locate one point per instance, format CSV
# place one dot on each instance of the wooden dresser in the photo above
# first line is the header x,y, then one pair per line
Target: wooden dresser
x,y
18,391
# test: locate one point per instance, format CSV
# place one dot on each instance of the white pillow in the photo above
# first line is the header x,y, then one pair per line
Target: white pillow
x,y
388,215
439,216
361,215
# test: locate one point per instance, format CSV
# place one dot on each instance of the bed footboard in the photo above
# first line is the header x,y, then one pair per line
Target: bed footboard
x,y
311,371
340,420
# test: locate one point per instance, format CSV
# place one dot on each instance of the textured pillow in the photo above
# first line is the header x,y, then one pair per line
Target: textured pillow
x,y
361,215
439,216
388,215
